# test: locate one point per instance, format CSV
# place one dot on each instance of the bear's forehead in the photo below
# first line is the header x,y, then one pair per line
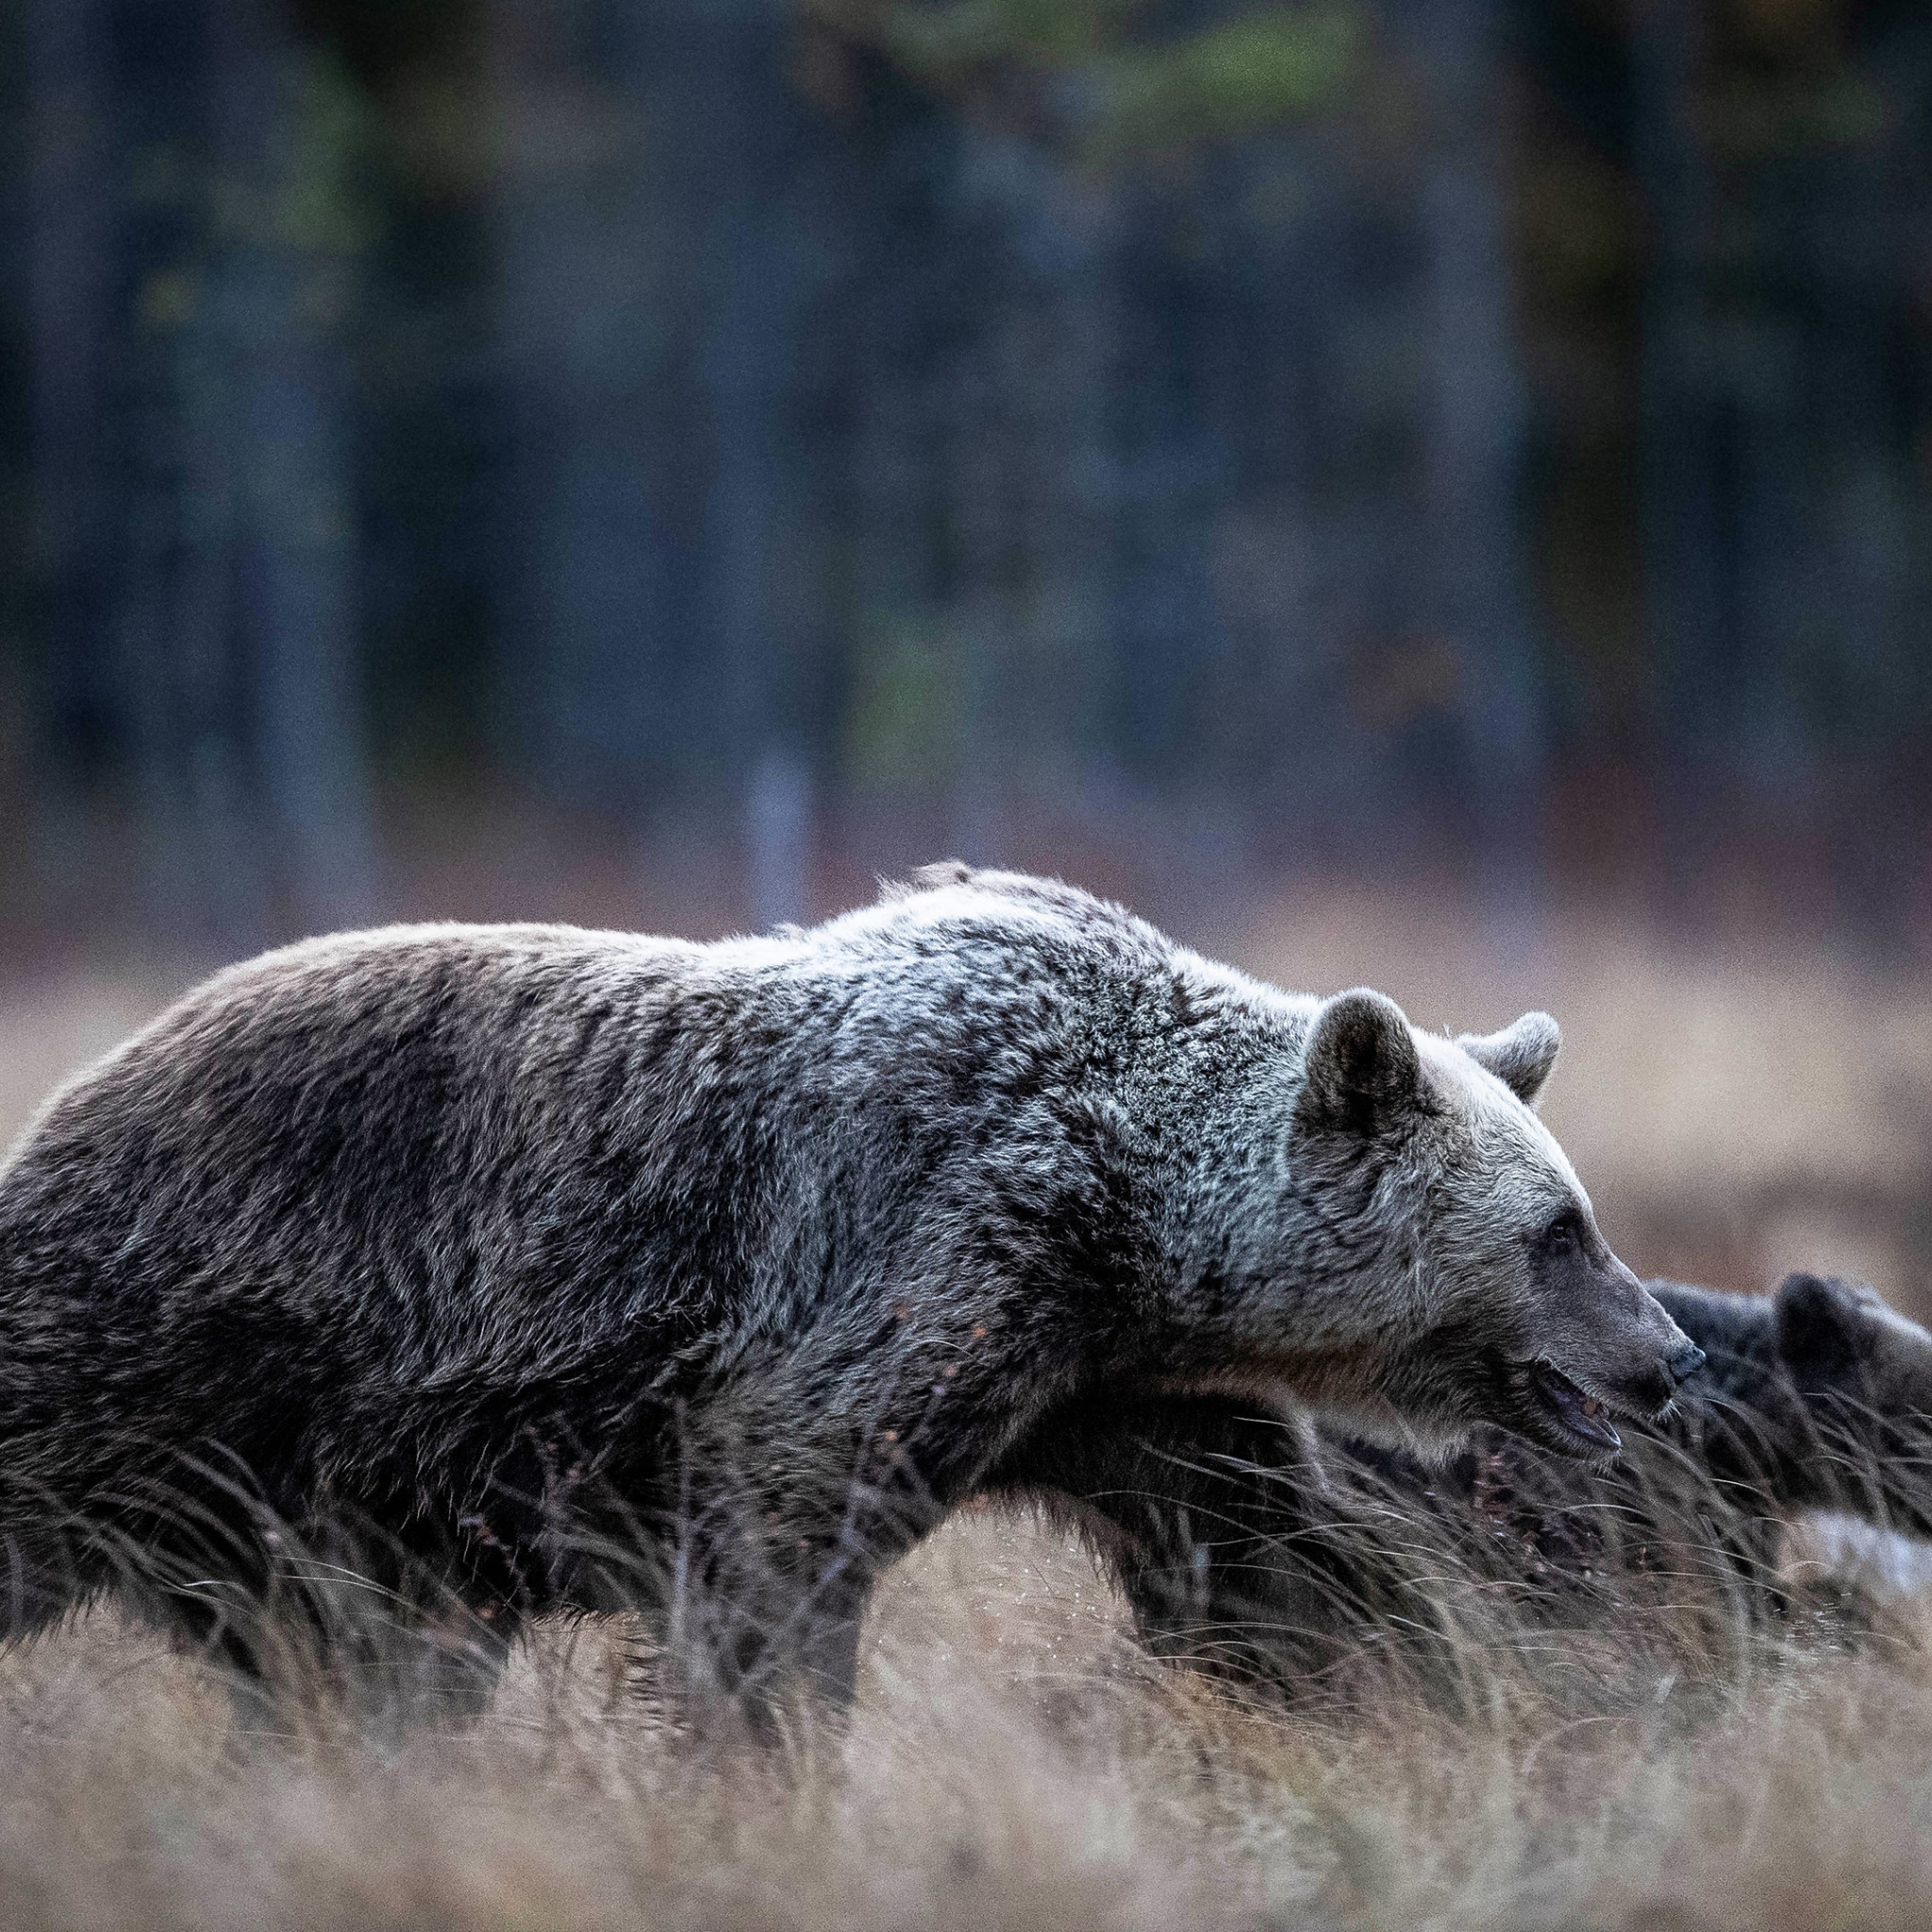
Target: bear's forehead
x,y
1470,1088
1495,1119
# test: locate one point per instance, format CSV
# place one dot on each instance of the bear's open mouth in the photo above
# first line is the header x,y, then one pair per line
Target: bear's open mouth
x,y
1581,1421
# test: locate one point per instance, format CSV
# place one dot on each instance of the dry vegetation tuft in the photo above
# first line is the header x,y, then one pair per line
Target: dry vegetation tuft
x,y
1011,1762
1014,1759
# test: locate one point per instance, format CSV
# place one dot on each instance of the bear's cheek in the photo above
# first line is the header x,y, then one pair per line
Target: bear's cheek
x,y
1585,1312
1564,1280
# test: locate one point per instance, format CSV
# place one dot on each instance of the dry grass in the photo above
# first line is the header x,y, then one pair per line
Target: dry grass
x,y
1013,1760
1010,1762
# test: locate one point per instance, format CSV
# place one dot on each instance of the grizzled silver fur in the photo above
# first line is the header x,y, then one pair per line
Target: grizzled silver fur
x,y
581,1269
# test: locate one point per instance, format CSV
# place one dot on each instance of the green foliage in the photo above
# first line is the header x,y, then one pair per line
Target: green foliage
x,y
310,198
908,696
1133,87
941,40
1267,69
325,206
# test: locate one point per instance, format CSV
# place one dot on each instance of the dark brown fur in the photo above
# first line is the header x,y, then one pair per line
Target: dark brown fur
x,y
1265,1549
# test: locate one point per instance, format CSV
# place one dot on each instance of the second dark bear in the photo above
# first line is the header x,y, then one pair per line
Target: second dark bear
x,y
1289,1554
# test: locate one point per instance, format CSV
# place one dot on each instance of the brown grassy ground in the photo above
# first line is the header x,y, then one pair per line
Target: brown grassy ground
x,y
1010,1762
1013,1759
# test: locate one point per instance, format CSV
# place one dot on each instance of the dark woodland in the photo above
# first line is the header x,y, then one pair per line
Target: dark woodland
x,y
1493,434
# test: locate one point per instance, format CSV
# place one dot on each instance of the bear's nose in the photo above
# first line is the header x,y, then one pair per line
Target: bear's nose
x,y
1686,1362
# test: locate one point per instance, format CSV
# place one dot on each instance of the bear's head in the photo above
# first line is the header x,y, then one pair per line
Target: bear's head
x,y
1443,1210
1863,1375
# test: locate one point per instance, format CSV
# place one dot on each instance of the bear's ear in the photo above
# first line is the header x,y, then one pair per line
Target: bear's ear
x,y
1360,1071
1521,1056
1817,1329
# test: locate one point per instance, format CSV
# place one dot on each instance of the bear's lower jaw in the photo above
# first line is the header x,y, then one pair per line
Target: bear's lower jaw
x,y
1580,1422
1557,1412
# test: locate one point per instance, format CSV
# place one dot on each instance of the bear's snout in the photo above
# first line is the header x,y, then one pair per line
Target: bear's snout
x,y
1685,1363
1630,1350
1650,1392
1651,1387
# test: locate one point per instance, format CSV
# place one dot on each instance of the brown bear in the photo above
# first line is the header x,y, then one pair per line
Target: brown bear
x,y
537,1269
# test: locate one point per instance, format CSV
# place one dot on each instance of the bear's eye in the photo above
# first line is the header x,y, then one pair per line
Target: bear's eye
x,y
1564,1233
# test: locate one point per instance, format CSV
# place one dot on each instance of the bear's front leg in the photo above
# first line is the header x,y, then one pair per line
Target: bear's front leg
x,y
816,1468
762,1622
774,1548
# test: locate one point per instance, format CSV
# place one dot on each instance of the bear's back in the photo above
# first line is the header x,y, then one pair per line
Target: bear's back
x,y
369,1147
442,1154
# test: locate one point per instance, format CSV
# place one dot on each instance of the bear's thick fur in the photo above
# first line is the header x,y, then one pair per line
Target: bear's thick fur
x,y
587,1270
1265,1549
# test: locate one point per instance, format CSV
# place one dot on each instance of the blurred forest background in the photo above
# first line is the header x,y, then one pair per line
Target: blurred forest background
x,y
725,447
1430,492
